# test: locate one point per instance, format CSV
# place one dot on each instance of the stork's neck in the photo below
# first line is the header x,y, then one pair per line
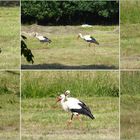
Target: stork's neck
x,y
64,104
63,100
36,34
81,35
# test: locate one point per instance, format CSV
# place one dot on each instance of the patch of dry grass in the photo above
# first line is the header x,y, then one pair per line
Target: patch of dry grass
x,y
67,52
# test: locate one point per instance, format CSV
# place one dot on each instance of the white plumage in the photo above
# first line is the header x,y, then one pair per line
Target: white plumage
x,y
74,105
42,38
88,39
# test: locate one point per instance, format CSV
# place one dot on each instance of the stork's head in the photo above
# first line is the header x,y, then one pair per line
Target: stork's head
x,y
67,93
61,97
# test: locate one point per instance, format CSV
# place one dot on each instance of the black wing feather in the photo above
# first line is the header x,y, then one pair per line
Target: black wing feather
x,y
47,39
94,40
84,110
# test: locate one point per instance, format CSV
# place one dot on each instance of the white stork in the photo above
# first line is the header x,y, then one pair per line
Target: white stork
x,y
42,38
88,38
75,106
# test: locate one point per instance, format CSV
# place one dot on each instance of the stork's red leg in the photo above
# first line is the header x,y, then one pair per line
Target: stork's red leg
x,y
78,117
70,121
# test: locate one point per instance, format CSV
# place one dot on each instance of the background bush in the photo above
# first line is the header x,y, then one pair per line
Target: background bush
x,y
70,12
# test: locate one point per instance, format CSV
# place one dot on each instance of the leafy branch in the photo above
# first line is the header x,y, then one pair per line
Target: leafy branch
x,y
27,53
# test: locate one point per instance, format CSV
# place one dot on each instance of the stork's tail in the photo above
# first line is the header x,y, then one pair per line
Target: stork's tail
x,y
50,41
96,42
90,115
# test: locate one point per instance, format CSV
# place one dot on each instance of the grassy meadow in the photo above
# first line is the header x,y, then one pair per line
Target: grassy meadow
x,y
68,52
130,105
9,37
130,24
43,118
9,105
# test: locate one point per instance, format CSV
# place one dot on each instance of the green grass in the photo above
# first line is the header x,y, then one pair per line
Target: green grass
x,y
130,105
130,19
130,82
9,82
9,105
43,119
130,50
9,38
130,11
130,117
51,83
67,52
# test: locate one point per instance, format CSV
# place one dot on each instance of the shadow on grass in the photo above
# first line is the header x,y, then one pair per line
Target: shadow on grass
x,y
61,66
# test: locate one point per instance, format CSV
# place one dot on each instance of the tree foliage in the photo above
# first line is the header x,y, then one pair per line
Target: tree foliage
x,y
25,51
9,3
70,12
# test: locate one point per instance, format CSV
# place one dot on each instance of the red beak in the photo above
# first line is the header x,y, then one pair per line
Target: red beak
x,y
58,99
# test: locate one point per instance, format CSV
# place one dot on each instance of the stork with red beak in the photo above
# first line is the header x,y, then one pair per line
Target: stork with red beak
x,y
75,106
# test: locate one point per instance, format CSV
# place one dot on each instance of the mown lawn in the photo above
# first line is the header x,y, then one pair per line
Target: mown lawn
x,y
130,105
9,116
67,52
10,38
130,50
43,119
130,117
9,105
129,31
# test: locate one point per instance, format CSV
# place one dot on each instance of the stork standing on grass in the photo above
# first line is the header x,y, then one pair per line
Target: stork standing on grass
x,y
42,38
88,39
75,106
